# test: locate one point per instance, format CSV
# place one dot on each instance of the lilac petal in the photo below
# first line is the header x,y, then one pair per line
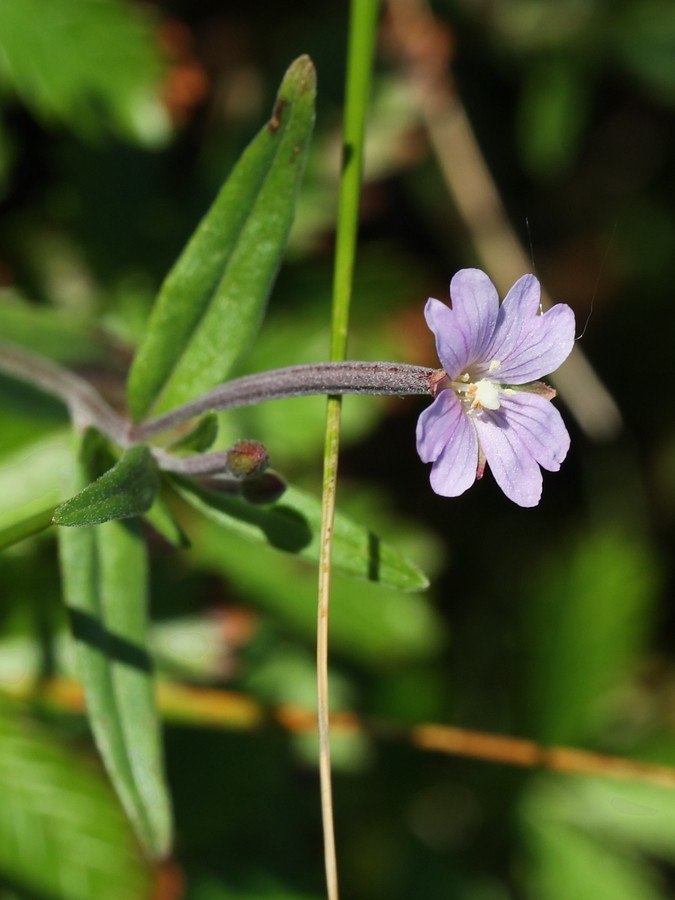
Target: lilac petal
x,y
539,425
475,303
520,306
436,425
446,437
451,343
454,471
544,342
524,298
515,469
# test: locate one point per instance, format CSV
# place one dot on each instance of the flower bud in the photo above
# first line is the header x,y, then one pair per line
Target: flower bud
x,y
247,458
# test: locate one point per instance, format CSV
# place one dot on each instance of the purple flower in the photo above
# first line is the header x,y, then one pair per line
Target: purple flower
x,y
488,406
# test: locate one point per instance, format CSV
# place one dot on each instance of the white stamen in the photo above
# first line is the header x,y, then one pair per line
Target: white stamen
x,y
486,395
494,364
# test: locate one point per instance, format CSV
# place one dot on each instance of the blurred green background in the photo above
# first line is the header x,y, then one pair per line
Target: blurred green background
x,y
118,123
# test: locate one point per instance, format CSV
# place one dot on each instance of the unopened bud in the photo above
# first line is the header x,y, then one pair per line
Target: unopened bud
x,y
247,458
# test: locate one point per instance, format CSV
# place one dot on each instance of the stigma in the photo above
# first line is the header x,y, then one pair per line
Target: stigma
x,y
477,395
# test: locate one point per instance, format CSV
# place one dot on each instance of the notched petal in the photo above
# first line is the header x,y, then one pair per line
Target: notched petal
x,y
543,344
540,428
516,313
475,302
436,425
514,468
523,299
452,344
454,470
447,438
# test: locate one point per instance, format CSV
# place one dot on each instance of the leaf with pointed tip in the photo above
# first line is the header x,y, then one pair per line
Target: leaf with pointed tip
x,y
293,524
105,583
213,300
126,490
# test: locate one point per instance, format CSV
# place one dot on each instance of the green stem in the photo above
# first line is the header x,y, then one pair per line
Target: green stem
x,y
360,54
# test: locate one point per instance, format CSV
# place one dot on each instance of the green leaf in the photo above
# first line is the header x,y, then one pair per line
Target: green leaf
x,y
200,438
293,524
95,66
32,477
370,623
604,830
589,609
105,575
62,832
566,864
624,813
160,516
211,303
63,337
125,491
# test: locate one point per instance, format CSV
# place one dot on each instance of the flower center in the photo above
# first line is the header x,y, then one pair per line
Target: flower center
x,y
485,395
477,395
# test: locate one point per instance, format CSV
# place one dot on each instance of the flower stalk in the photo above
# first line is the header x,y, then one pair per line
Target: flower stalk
x,y
85,404
309,379
329,378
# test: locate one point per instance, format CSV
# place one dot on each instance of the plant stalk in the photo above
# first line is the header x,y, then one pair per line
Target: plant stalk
x,y
332,379
360,55
86,405
309,379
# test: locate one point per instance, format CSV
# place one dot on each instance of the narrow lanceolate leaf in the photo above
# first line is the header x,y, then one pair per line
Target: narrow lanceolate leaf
x,y
126,490
213,300
105,580
293,524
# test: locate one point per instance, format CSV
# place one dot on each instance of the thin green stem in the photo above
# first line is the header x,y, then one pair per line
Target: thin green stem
x,y
362,31
360,53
